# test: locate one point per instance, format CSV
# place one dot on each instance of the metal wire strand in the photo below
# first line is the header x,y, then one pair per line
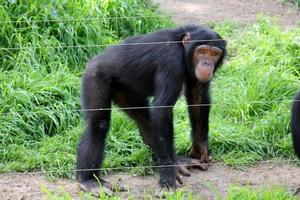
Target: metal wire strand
x,y
104,45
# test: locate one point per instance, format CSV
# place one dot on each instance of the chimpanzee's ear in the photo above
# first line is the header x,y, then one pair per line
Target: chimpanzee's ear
x,y
186,39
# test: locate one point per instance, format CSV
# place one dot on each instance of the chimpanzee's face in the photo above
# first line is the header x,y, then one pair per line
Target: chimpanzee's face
x,y
205,59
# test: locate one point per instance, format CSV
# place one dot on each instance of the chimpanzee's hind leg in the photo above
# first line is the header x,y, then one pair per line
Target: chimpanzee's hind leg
x,y
96,95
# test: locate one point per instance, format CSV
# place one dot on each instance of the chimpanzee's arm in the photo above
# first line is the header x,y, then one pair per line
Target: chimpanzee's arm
x,y
198,97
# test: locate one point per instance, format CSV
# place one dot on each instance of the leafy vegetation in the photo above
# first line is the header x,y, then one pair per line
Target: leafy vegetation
x,y
253,94
40,123
44,47
297,2
234,193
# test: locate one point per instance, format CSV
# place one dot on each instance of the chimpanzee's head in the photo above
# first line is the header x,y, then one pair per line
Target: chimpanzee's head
x,y
205,51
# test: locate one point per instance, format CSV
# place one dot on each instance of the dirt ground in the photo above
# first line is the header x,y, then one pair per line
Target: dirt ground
x,y
23,186
208,184
241,11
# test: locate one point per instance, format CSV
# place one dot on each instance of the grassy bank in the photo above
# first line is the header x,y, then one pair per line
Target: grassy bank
x,y
44,48
39,88
234,193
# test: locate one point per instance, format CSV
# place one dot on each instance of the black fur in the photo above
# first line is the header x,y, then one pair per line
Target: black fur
x,y
128,75
296,123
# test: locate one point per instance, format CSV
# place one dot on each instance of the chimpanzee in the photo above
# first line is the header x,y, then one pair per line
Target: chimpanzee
x,y
154,65
296,123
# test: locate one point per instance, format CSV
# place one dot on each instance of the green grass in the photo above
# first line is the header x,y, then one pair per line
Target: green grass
x,y
39,94
296,2
236,193
39,83
63,195
39,88
253,93
233,193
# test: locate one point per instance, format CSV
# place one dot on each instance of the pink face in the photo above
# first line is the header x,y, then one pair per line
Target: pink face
x,y
205,58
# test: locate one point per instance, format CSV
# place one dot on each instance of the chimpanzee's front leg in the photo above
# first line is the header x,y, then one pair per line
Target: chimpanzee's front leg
x,y
198,99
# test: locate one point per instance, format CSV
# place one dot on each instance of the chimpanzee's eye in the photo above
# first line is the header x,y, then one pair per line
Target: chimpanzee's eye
x,y
214,53
202,51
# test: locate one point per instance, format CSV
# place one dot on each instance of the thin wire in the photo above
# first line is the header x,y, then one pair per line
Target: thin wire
x,y
110,109
79,19
139,107
135,167
117,44
124,167
159,107
147,107
103,45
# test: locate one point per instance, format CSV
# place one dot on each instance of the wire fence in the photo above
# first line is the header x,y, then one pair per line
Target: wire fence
x,y
193,165
156,107
196,164
82,20
104,45
113,44
121,108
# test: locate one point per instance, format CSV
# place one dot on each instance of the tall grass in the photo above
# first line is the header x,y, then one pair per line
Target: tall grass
x,y
40,70
236,193
39,87
297,2
253,95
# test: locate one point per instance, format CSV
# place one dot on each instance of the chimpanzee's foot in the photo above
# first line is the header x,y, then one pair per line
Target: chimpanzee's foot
x,y
201,153
161,192
93,187
186,163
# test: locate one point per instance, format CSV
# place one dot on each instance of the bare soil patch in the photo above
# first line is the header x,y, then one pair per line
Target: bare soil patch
x,y
241,11
208,184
